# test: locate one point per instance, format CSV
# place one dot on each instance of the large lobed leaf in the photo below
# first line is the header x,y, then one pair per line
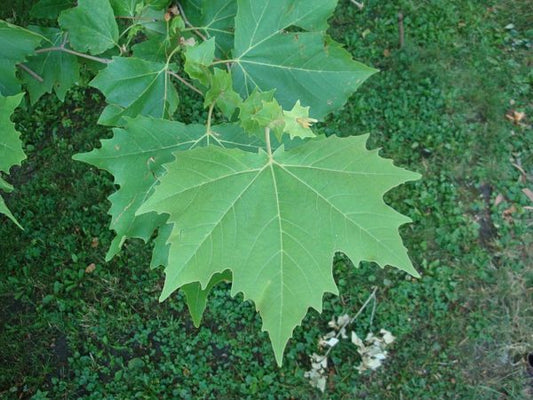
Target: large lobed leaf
x,y
134,157
276,222
306,66
11,152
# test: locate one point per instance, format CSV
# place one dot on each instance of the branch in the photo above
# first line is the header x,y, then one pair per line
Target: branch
x,y
351,321
188,84
76,53
31,72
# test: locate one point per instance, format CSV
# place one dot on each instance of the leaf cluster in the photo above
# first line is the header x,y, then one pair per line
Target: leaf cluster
x,y
251,195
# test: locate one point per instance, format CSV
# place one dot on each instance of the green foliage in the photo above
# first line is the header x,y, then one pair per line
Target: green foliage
x,y
306,66
11,152
256,192
58,70
91,26
438,106
17,44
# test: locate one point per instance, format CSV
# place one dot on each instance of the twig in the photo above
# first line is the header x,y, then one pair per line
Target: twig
x,y
195,30
359,5
400,28
76,53
31,72
189,85
351,321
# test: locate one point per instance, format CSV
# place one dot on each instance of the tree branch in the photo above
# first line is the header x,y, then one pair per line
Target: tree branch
x,y
76,53
182,80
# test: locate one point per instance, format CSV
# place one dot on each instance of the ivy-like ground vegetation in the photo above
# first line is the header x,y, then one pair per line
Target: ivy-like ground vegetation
x,y
452,103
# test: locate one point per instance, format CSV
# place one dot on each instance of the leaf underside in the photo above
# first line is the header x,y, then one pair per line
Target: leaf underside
x,y
276,223
135,155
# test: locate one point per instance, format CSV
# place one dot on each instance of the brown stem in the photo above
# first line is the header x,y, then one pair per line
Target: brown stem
x,y
189,85
31,72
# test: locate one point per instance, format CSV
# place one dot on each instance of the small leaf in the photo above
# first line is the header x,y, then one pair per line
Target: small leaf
x,y
134,87
297,122
222,94
260,110
198,59
91,26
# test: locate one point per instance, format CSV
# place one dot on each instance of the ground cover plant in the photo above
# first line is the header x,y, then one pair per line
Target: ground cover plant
x,y
75,326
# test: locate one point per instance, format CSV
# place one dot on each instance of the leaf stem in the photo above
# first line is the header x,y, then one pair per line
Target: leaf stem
x,y
268,145
76,53
182,80
34,74
208,124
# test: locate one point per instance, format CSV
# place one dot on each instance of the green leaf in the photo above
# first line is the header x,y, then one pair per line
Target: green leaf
x,y
59,70
198,59
197,297
11,152
154,49
305,66
276,222
261,110
4,210
213,18
222,94
15,45
153,22
91,26
125,8
50,9
136,87
158,4
134,157
297,122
